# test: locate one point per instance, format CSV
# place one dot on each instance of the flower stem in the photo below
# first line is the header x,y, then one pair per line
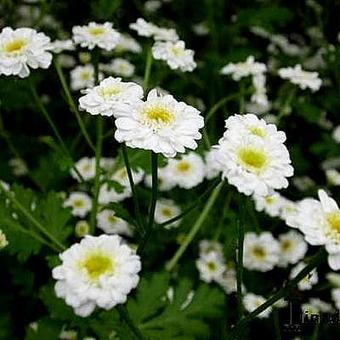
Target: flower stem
x,y
147,70
285,106
314,262
239,266
195,228
241,98
126,317
72,104
58,246
133,190
154,175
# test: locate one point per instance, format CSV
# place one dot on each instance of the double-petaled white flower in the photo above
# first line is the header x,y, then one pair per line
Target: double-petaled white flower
x,y
106,98
161,124
96,35
112,224
167,209
319,220
253,157
80,202
22,49
210,266
86,167
119,67
83,77
98,271
175,55
301,78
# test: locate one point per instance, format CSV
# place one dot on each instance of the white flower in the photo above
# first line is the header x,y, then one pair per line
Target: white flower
x,y
187,171
212,166
92,35
292,248
308,281
82,77
108,193
111,224
106,98
98,271
320,223
261,252
210,267
80,203
252,301
58,46
208,246
166,209
128,44
3,240
257,108
19,167
334,279
165,34
336,297
336,134
301,78
165,183
175,54
271,204
82,228
120,67
86,167
244,69
320,306
333,177
21,49
260,95
228,281
253,157
161,124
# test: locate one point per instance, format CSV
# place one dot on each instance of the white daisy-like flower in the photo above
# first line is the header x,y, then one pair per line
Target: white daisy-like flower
x,y
98,271
252,301
308,281
19,167
107,163
166,209
210,267
86,167
128,44
106,98
175,55
336,134
187,172
253,157
112,224
261,252
58,46
228,281
96,35
120,67
212,166
301,78
208,246
161,124
82,77
336,297
80,202
108,193
319,220
333,177
3,240
143,28
164,182
22,49
292,248
244,69
271,204
82,228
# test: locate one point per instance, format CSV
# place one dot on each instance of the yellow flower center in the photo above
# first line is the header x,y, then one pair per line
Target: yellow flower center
x,y
15,46
110,91
255,130
112,219
269,199
252,159
177,51
85,75
78,203
259,253
183,166
211,266
158,114
333,220
97,264
96,31
286,245
167,212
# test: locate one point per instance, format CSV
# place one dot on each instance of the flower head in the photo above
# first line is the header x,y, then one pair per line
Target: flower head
x,y
112,224
308,281
86,167
98,271
210,267
166,209
252,301
80,203
83,77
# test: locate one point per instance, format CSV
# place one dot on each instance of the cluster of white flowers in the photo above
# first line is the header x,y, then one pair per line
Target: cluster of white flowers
x,y
98,271
22,49
301,78
253,156
96,35
319,221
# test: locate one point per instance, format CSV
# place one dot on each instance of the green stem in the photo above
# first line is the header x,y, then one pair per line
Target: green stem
x,y
286,104
277,325
147,70
206,138
225,212
98,153
72,104
133,190
241,98
193,206
314,262
239,266
154,175
32,219
195,228
126,317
